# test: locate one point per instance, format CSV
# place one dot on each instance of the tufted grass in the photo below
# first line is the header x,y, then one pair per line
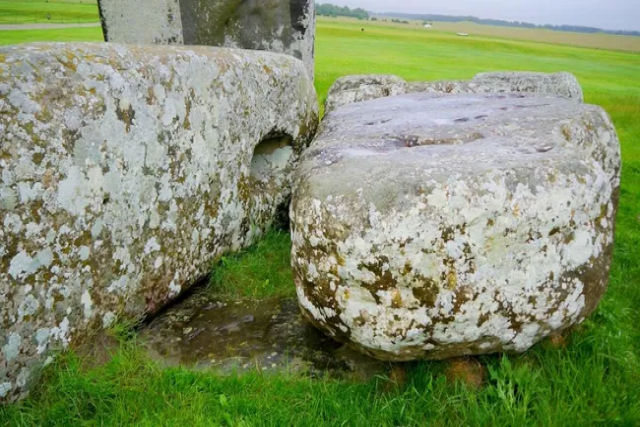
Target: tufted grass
x,y
594,379
262,271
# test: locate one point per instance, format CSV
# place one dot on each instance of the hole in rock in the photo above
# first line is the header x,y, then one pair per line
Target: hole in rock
x,y
271,157
270,164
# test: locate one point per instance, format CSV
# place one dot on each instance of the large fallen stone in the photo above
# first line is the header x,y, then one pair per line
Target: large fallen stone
x,y
125,171
436,226
284,26
358,88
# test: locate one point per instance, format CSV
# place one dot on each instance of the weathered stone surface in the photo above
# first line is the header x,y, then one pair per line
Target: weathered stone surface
x,y
284,26
209,332
357,88
436,226
125,171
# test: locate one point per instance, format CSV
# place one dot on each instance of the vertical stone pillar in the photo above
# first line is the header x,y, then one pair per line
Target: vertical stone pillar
x,y
284,26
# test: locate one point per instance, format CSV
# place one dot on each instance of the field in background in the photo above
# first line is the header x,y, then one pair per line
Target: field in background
x,y
91,34
593,379
592,40
51,11
599,40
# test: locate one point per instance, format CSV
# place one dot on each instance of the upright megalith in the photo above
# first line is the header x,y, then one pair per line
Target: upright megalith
x,y
432,226
124,173
284,26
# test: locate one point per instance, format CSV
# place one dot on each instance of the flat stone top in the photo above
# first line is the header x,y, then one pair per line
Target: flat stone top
x,y
419,137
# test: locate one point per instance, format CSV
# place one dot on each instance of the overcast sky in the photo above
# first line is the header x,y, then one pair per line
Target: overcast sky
x,y
607,14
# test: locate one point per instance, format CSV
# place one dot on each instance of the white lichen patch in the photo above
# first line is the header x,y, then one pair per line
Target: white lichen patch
x,y
432,227
124,172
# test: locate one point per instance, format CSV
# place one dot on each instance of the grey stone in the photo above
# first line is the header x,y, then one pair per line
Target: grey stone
x,y
284,26
430,226
125,172
356,88
208,332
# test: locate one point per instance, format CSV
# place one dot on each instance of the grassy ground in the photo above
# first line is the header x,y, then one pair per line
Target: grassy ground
x,y
51,11
596,40
593,379
93,34
591,40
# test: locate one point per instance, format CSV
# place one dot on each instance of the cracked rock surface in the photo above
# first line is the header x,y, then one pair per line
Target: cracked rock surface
x,y
433,226
124,173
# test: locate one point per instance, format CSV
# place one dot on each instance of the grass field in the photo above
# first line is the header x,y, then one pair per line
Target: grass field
x,y
591,40
51,11
93,34
593,379
597,40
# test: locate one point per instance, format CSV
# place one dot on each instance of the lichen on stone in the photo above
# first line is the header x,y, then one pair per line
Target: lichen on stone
x,y
455,245
125,172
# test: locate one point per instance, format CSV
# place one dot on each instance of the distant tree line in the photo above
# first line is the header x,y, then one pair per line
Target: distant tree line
x,y
501,23
333,10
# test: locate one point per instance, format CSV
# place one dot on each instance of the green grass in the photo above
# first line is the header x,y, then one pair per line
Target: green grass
x,y
51,11
595,379
92,34
260,272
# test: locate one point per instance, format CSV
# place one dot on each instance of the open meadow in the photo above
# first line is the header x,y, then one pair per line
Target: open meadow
x,y
51,11
593,40
591,376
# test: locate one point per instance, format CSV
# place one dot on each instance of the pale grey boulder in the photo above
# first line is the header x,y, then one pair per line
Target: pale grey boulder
x,y
428,227
560,84
283,26
124,173
357,88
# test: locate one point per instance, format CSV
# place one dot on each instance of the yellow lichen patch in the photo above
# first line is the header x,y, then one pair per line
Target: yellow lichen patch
x,y
396,299
151,97
69,62
452,279
126,116
516,210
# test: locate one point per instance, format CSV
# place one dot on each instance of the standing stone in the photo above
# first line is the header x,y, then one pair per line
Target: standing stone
x,y
435,226
284,26
125,172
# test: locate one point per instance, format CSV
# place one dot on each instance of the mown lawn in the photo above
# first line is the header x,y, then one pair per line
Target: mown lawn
x,y
92,34
50,11
593,379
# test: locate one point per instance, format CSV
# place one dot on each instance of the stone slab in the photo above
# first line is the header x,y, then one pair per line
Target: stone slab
x,y
435,226
124,173
358,88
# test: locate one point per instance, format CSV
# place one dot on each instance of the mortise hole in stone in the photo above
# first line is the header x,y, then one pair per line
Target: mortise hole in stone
x,y
271,156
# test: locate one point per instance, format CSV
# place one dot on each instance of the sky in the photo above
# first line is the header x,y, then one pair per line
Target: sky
x,y
607,14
